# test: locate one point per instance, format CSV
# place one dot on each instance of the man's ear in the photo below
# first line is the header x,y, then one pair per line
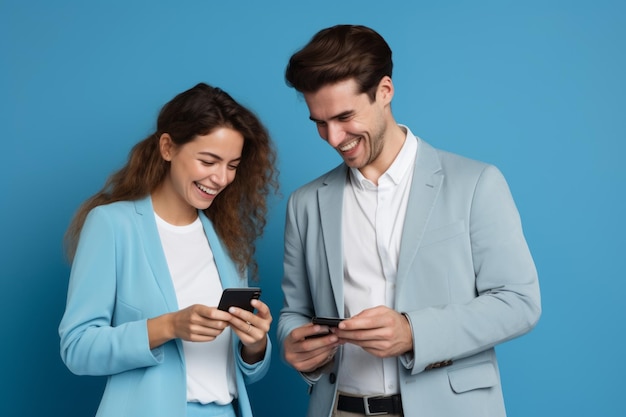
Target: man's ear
x,y
166,146
385,90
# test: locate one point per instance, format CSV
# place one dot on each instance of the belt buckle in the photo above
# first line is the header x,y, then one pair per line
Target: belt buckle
x,y
366,406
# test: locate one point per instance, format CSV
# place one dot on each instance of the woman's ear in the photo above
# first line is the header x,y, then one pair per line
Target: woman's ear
x,y
166,146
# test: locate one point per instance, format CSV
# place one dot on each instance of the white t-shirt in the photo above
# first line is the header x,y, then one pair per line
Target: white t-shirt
x,y
210,365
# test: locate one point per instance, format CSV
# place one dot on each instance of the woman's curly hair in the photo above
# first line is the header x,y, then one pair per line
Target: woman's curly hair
x,y
239,212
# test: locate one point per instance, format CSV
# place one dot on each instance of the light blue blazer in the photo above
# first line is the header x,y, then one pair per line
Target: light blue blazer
x,y
119,279
466,281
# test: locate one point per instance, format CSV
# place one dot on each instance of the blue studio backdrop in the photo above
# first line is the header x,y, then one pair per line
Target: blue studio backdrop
x,y
535,87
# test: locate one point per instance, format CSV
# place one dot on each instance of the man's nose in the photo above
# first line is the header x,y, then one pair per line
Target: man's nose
x,y
334,135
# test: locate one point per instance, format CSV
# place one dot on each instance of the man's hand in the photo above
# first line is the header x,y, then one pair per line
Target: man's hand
x,y
380,331
310,347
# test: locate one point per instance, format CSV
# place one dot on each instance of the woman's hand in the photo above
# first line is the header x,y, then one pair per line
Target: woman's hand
x,y
196,323
252,329
200,323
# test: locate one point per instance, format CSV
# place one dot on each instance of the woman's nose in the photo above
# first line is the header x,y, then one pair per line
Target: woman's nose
x,y
220,176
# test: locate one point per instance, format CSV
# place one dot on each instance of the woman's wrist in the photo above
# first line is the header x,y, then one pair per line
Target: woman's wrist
x,y
254,353
160,330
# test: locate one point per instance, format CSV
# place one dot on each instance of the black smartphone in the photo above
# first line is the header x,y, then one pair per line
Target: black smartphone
x,y
327,321
316,335
239,297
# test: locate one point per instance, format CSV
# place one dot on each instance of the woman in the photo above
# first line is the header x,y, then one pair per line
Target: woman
x,y
151,254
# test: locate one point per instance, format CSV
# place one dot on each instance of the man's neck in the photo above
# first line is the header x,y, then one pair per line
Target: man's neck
x,y
394,140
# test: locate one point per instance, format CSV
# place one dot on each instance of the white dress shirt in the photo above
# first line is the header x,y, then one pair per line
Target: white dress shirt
x,y
373,217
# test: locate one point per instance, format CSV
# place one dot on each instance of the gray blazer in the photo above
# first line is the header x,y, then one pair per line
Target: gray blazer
x,y
466,280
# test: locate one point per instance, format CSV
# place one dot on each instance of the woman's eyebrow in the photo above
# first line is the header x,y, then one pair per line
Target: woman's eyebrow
x,y
219,158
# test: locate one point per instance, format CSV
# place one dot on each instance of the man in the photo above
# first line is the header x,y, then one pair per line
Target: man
x,y
421,251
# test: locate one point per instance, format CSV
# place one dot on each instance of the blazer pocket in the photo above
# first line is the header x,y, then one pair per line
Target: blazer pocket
x,y
125,313
443,233
480,375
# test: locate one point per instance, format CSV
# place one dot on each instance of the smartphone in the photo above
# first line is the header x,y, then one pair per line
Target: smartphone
x,y
316,335
239,297
327,321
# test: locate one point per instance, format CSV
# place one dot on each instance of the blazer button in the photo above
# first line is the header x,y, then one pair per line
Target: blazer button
x,y
332,378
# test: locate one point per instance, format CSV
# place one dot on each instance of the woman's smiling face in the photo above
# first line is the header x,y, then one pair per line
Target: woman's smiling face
x,y
201,168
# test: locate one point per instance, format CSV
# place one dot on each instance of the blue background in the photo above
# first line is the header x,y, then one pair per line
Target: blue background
x,y
536,87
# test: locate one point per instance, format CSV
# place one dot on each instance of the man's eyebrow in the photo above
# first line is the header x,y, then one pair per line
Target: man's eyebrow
x,y
338,116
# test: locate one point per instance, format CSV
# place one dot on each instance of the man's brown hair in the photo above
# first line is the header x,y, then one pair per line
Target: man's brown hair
x,y
340,53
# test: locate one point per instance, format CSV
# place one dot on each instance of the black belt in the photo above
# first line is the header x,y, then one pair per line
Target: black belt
x,y
371,406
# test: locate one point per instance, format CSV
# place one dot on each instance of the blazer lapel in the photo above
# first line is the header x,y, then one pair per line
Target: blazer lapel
x,y
425,187
330,199
154,251
225,266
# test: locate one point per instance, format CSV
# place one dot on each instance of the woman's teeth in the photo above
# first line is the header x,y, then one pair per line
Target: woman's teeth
x,y
206,190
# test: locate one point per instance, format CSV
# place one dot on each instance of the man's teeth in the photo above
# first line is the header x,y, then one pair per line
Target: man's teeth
x,y
206,190
349,146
